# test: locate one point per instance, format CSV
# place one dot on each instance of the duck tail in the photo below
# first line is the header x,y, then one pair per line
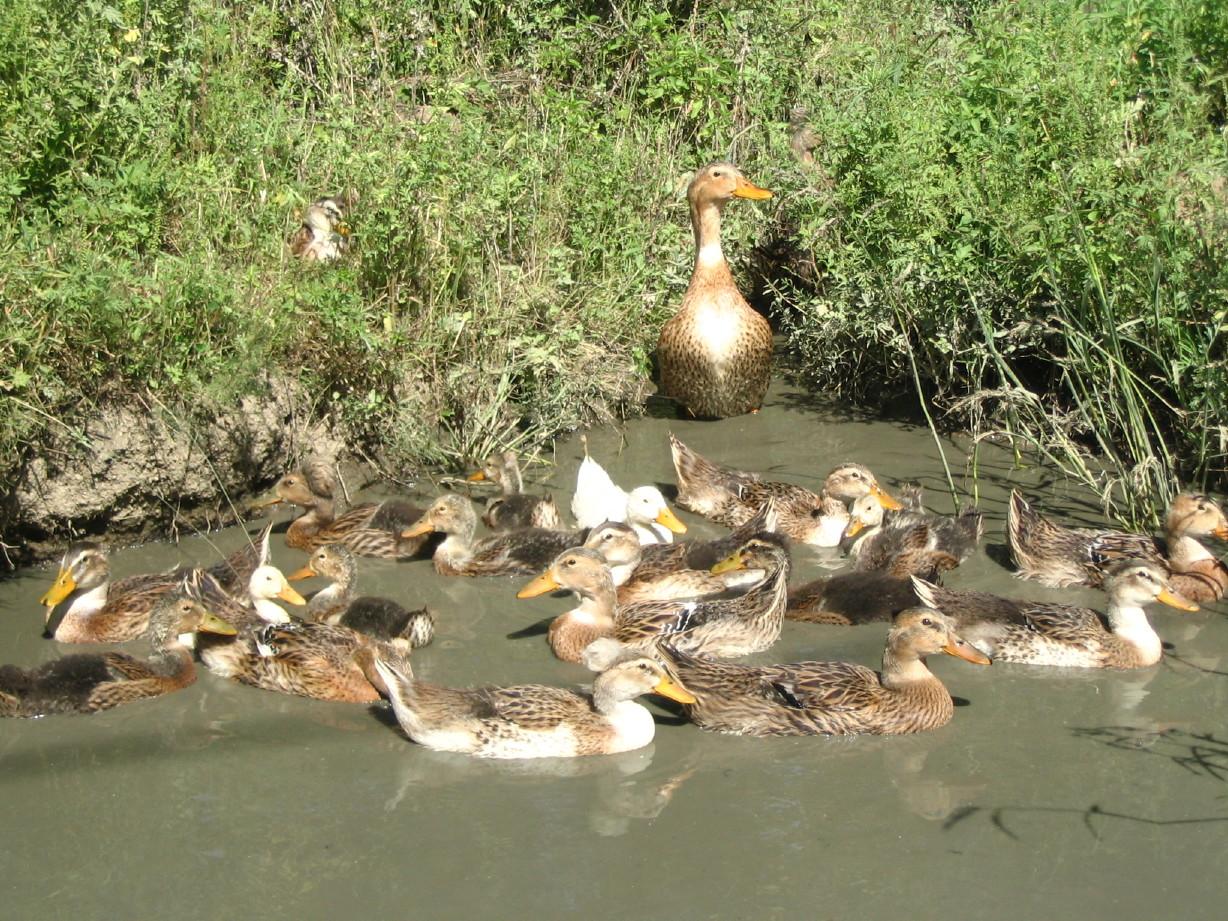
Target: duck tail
x,y
420,628
929,594
692,470
1038,546
391,675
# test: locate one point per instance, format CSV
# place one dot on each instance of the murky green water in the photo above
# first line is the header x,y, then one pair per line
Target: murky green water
x,y
1052,794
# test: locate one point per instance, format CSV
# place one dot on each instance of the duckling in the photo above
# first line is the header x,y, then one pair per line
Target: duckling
x,y
324,235
715,354
638,580
531,720
598,499
829,698
514,508
460,554
1041,633
371,529
1059,556
102,611
879,538
89,683
730,497
381,618
865,596
749,622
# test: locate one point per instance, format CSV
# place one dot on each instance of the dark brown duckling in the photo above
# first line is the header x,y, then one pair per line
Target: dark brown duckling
x,y
513,508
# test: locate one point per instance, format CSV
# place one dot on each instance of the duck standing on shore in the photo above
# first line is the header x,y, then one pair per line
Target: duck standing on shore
x,y
715,354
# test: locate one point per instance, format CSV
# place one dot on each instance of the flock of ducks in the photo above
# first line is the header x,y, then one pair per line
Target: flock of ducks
x,y
652,614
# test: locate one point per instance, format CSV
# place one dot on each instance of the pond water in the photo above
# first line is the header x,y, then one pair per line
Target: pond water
x,y
1052,793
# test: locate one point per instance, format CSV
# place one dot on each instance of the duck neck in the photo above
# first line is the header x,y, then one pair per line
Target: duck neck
x,y
621,572
317,515
1184,550
597,604
269,611
457,546
513,483
90,601
1129,622
709,257
902,670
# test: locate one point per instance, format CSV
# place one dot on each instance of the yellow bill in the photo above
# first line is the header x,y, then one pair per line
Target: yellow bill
x,y
540,586
747,189
211,623
476,477
883,499
670,520
1173,600
305,573
1220,533
266,503
730,563
962,649
63,586
289,595
417,530
855,527
674,691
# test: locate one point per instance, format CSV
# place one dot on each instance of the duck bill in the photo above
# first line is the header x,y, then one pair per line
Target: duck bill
x,y
290,596
540,586
343,229
1173,600
855,527
299,574
476,477
668,519
962,649
730,563
63,586
1220,533
883,499
666,687
417,530
747,189
267,503
211,623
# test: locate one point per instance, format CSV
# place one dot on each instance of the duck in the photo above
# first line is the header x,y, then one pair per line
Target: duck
x,y
714,355
730,497
106,611
865,596
829,698
1059,556
737,626
338,604
88,683
662,577
514,508
246,611
598,499
1042,633
876,538
371,529
324,235
532,720
461,554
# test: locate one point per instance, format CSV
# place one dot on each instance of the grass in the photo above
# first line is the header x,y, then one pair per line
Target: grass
x,y
1017,209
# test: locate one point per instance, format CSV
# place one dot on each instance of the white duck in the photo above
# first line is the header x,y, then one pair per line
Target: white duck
x,y
598,499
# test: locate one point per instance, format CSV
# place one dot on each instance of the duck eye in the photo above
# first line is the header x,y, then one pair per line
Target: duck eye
x,y
926,622
717,173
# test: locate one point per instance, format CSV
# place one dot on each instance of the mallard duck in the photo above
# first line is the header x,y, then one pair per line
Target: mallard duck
x,y
665,576
246,611
102,611
1041,633
371,529
730,497
864,596
1059,556
597,499
460,554
324,235
715,353
532,720
879,537
514,508
88,683
836,698
746,623
381,618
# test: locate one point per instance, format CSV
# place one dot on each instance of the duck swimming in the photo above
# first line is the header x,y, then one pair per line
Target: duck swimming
x,y
715,353
514,508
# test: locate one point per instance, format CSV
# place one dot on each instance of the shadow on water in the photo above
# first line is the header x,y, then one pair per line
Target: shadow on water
x,y
997,816
1199,753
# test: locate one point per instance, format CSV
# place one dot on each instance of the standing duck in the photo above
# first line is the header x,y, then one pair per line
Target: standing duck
x,y
715,354
93,682
1059,556
532,720
514,508
731,497
339,603
1041,633
829,698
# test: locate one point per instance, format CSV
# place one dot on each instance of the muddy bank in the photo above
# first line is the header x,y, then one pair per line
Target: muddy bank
x,y
143,470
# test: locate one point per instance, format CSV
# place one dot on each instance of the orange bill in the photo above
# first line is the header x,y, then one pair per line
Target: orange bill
x,y
540,586
674,691
290,595
417,530
63,586
344,229
883,499
747,189
476,477
1220,533
670,520
854,527
1172,599
962,649
730,563
305,573
265,503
